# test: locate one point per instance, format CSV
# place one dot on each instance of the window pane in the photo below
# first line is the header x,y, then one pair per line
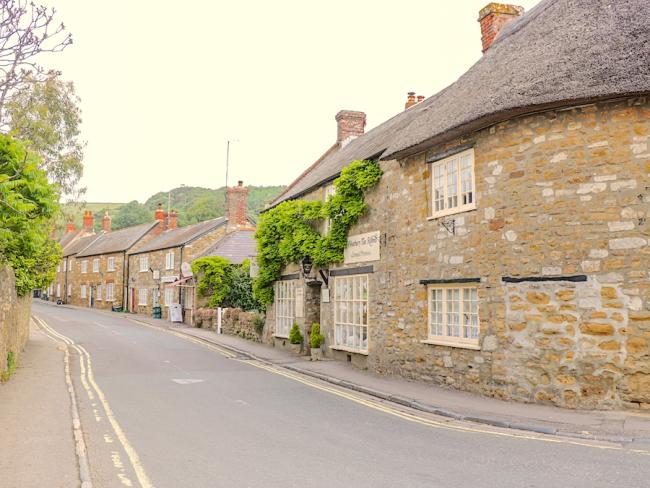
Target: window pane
x,y
452,183
438,188
466,179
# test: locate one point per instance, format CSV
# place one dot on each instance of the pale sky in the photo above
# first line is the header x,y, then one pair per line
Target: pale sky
x,y
164,84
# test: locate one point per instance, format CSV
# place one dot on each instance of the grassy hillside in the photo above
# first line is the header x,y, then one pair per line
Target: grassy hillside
x,y
192,203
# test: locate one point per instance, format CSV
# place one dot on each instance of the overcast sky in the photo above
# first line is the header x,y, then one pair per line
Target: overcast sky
x,y
164,84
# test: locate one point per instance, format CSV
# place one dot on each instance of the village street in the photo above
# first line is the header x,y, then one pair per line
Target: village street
x,y
160,410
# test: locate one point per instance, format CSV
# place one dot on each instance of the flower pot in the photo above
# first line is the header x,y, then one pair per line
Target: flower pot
x,y
295,349
316,354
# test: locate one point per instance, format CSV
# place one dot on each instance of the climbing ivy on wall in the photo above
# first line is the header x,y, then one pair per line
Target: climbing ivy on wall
x,y
289,232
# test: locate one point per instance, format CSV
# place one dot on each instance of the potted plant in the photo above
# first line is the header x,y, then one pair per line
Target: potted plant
x,y
316,340
295,339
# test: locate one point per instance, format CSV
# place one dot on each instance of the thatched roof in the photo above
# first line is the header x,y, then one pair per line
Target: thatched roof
x,y
560,53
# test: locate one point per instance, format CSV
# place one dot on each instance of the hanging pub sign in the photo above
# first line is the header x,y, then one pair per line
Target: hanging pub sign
x,y
362,248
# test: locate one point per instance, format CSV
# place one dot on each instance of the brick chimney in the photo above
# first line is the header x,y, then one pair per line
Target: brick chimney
x,y
493,17
349,125
173,220
236,203
420,98
69,228
88,221
106,222
410,100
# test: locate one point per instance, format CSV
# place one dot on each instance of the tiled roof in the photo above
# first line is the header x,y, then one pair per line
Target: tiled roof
x,y
80,244
235,247
560,53
118,240
181,235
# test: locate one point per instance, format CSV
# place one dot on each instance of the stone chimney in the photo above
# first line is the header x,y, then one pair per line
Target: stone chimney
x,y
106,222
349,125
236,204
173,220
69,227
493,17
88,221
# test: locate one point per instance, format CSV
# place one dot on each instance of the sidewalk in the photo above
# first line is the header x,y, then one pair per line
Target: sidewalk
x,y
614,426
36,437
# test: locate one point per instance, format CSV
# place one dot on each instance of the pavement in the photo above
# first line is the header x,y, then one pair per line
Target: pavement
x,y
36,429
615,426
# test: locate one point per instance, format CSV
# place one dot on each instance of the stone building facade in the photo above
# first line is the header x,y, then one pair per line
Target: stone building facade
x,y
507,258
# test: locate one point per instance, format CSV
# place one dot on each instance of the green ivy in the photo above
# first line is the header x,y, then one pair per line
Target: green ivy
x,y
214,278
288,233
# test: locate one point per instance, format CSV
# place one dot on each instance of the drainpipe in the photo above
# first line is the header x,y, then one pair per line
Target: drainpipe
x,y
125,283
180,261
65,282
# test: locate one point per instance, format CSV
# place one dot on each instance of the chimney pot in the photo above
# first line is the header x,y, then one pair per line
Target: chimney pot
x,y
410,100
69,228
350,124
173,219
420,98
88,220
493,17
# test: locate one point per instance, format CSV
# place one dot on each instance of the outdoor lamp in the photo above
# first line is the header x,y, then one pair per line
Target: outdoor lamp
x,y
306,265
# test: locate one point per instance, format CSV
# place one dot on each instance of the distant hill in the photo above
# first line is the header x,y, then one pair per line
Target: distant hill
x,y
193,204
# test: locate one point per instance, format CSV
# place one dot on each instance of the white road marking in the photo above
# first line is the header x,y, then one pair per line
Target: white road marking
x,y
102,325
186,381
242,402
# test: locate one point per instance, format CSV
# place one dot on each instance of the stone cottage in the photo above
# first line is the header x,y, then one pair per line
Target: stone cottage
x,y
159,271
506,248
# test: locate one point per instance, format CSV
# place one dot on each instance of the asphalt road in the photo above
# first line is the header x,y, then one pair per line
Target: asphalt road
x,y
161,411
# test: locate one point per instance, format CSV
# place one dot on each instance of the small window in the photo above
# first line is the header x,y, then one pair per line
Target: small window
x,y
110,264
84,266
452,184
82,291
169,296
109,292
453,316
142,297
144,263
169,260
65,265
95,265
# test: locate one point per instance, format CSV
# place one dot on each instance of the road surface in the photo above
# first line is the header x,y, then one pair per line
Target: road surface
x,y
159,410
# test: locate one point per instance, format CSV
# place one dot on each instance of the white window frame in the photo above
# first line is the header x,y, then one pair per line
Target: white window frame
x,y
285,307
169,296
169,260
96,265
144,263
110,292
351,313
65,265
82,291
110,264
58,290
445,332
142,297
84,266
465,196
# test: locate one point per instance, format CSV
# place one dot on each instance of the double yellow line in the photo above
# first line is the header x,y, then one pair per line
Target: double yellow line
x,y
88,381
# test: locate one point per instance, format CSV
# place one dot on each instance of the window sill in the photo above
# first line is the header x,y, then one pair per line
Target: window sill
x,y
452,211
349,349
453,343
277,336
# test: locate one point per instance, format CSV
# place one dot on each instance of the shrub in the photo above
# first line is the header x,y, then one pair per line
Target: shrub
x,y
316,339
11,367
295,337
258,323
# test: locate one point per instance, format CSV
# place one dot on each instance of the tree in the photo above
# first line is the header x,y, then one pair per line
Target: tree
x,y
203,208
28,203
27,30
46,116
132,213
240,290
214,278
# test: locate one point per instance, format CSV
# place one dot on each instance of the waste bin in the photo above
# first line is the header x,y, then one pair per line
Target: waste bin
x,y
157,312
175,312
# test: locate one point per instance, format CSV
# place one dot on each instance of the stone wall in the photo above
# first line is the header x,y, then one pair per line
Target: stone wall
x,y
15,314
560,193
234,321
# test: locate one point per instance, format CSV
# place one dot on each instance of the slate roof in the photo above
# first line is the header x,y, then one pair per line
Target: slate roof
x,y
80,244
118,240
181,235
235,247
560,53
69,237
